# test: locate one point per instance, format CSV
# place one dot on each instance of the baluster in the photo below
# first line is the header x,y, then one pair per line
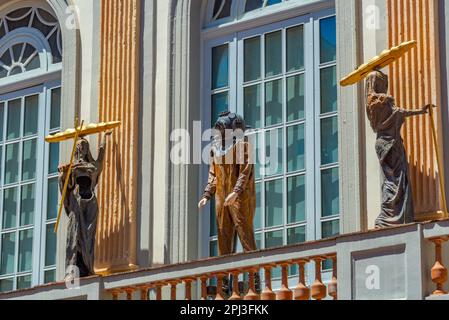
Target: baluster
x,y
129,293
285,293
439,271
332,287
204,287
115,294
144,292
302,292
188,288
318,288
220,276
173,285
159,286
235,285
252,295
267,293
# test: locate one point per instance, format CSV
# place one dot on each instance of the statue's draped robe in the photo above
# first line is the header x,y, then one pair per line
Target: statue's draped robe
x,y
81,207
386,120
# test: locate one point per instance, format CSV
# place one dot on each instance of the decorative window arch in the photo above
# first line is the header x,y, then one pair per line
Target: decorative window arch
x,y
31,40
220,11
30,109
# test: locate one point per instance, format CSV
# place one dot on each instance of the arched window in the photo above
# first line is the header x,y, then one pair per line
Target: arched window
x,y
30,98
274,62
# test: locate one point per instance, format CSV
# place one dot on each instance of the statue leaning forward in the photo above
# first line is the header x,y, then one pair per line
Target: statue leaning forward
x,y
81,207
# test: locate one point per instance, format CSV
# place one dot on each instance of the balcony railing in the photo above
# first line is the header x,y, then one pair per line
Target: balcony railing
x,y
406,262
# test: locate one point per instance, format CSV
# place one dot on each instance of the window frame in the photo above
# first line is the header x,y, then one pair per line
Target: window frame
x,y
313,168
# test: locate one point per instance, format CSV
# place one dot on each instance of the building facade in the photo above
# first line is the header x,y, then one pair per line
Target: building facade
x,y
164,66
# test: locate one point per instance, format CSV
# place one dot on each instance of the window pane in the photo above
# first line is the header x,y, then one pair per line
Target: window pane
x,y
13,125
252,106
328,39
219,105
295,48
29,160
9,208
213,249
53,159
55,117
252,59
296,199
27,205
273,203
253,5
296,235
2,113
222,9
295,98
50,276
12,163
258,214
330,229
6,285
25,250
50,246
273,102
8,253
274,149
329,140
220,67
329,193
256,140
274,239
52,199
24,282
328,90
31,115
258,237
273,54
296,148
213,218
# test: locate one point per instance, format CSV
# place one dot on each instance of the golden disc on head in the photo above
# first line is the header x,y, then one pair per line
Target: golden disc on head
x,y
384,59
85,130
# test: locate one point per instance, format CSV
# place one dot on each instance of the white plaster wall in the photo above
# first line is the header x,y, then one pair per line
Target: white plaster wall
x,y
375,40
161,132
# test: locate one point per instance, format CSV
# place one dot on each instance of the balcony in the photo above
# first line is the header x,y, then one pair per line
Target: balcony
x,y
406,262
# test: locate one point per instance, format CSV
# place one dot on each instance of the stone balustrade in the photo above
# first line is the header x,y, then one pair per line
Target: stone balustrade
x,y
406,262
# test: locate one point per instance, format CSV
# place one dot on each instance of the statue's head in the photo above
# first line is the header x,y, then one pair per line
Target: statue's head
x,y
229,128
377,82
83,151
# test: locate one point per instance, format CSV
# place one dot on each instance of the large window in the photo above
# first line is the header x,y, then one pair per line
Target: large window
x,y
30,101
282,78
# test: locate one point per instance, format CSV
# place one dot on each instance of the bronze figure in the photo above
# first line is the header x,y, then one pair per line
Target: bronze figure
x,y
81,205
386,120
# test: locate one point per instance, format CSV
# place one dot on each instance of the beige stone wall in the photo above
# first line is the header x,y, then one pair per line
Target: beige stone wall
x,y
119,100
415,82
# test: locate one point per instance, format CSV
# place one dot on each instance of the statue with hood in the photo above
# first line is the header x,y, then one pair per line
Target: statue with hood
x,y
81,205
386,120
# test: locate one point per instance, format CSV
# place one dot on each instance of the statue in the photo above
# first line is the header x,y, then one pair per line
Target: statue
x,y
232,181
80,204
386,120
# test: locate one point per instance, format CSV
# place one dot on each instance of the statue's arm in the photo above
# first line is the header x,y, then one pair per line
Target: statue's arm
x,y
211,186
62,176
416,112
102,153
244,154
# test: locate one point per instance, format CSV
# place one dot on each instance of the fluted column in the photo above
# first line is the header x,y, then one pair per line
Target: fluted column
x,y
415,82
119,100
